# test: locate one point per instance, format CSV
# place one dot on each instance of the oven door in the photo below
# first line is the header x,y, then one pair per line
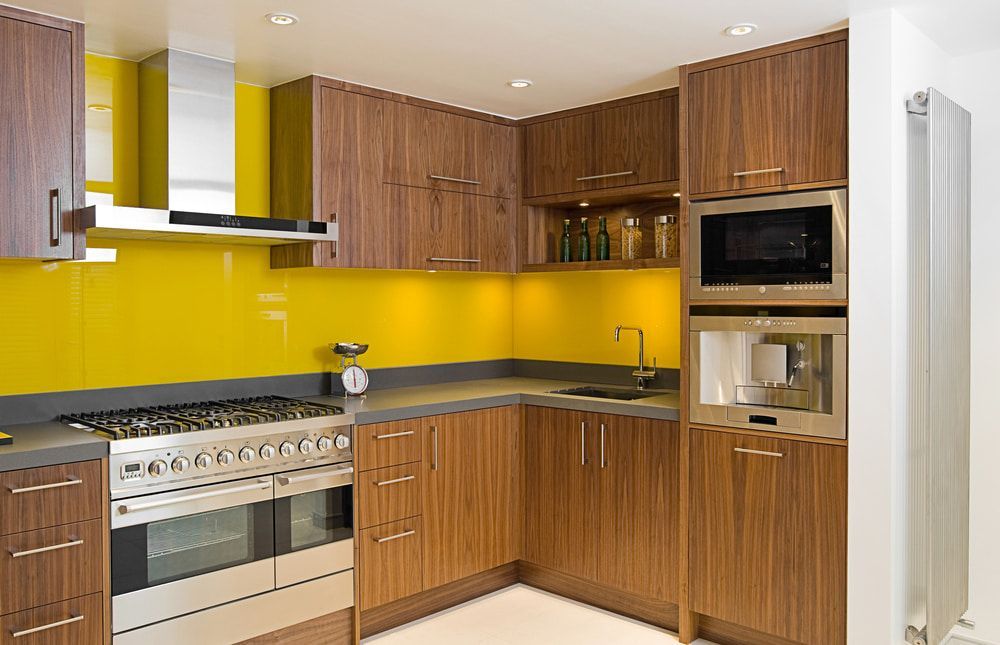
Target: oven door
x,y
313,523
178,552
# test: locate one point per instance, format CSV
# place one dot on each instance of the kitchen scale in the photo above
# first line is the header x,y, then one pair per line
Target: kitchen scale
x,y
353,376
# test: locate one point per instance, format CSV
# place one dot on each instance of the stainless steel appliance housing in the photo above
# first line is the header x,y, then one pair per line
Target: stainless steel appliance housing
x,y
790,246
736,362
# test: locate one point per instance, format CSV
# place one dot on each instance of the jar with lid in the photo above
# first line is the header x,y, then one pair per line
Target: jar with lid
x,y
631,238
667,242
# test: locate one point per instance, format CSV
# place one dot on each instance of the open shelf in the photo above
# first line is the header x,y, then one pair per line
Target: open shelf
x,y
603,265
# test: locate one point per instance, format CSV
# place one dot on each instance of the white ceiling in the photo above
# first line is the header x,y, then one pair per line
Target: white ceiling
x,y
460,51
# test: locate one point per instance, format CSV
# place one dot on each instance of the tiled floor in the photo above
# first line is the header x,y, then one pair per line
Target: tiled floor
x,y
520,615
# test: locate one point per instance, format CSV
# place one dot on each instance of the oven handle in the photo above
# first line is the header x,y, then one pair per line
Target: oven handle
x,y
260,484
313,481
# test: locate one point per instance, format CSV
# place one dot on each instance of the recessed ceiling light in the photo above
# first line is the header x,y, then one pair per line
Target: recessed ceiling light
x,y
677,194
99,107
281,18
742,29
520,82
584,204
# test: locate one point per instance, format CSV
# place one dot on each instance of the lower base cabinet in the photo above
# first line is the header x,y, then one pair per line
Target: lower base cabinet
x,y
390,562
768,534
79,620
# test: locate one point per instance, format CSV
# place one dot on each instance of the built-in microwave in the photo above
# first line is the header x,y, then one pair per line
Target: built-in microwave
x,y
791,246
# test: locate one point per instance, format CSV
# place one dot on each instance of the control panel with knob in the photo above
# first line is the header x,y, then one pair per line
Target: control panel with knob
x,y
306,446
342,441
324,443
287,448
203,460
226,457
247,454
180,464
267,451
158,468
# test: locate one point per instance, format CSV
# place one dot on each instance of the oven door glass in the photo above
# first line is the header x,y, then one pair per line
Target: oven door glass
x,y
786,246
313,508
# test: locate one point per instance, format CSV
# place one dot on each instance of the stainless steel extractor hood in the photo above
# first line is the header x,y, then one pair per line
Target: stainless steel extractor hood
x,y
187,163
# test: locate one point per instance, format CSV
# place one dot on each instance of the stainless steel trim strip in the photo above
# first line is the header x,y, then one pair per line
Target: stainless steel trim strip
x,y
176,503
398,480
762,171
455,179
42,628
262,484
313,479
765,453
315,562
389,538
583,443
393,435
460,260
70,481
603,461
837,326
285,480
54,547
606,175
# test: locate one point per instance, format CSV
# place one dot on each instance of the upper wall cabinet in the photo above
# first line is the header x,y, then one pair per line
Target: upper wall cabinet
x,y
771,119
624,143
42,140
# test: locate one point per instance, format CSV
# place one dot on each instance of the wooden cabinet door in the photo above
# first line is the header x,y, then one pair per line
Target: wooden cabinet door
x,y
639,501
390,562
556,153
768,534
470,492
436,149
639,139
560,490
40,121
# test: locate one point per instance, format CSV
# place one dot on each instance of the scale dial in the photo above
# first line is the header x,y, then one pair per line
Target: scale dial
x,y
355,379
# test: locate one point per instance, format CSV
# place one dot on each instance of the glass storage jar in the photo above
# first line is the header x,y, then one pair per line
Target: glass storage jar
x,y
631,238
667,242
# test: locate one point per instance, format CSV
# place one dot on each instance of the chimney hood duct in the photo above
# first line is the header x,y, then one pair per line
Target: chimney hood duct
x,y
187,163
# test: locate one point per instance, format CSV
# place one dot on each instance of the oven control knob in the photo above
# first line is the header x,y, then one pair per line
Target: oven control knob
x,y
247,454
287,448
158,468
226,457
306,446
767,323
762,289
342,441
203,460
756,323
267,451
324,443
180,464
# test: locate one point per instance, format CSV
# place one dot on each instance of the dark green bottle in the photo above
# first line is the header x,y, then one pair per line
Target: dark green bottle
x,y
583,243
603,240
564,243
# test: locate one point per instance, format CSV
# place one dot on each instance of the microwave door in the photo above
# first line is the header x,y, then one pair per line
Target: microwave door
x,y
314,523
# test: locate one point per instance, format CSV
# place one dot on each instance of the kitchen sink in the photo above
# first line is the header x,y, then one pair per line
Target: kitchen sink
x,y
618,394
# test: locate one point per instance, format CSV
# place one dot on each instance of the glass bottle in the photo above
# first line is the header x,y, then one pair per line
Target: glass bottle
x,y
603,239
564,243
583,242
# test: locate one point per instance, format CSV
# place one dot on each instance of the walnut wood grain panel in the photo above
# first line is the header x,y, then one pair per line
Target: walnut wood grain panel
x,y
603,105
639,501
554,153
377,445
86,630
560,523
470,487
50,576
390,569
41,116
723,633
421,143
389,494
434,600
40,508
768,535
336,628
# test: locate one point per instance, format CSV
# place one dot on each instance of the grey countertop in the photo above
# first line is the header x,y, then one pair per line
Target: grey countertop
x,y
45,444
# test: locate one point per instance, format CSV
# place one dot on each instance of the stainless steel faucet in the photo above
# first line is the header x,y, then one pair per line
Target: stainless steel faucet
x,y
642,374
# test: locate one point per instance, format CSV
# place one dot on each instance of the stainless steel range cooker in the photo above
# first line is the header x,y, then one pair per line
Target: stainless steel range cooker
x,y
229,519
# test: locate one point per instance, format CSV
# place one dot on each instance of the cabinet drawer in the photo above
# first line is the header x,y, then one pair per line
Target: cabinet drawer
x,y
390,562
49,565
389,494
39,497
72,622
378,445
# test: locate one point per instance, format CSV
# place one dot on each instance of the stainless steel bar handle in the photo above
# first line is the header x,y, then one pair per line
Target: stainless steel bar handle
x,y
434,461
603,462
457,180
398,480
42,628
606,175
763,171
583,443
44,549
389,538
70,481
141,506
393,435
55,217
463,260
759,452
285,480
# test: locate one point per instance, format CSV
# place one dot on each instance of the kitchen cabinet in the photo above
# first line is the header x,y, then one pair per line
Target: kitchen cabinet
x,y
388,494
42,145
618,144
391,564
585,477
78,621
770,119
768,534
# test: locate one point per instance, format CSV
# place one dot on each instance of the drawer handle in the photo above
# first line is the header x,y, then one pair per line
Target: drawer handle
x,y
394,435
395,537
398,480
42,628
465,260
606,175
759,452
764,171
44,549
455,179
70,481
